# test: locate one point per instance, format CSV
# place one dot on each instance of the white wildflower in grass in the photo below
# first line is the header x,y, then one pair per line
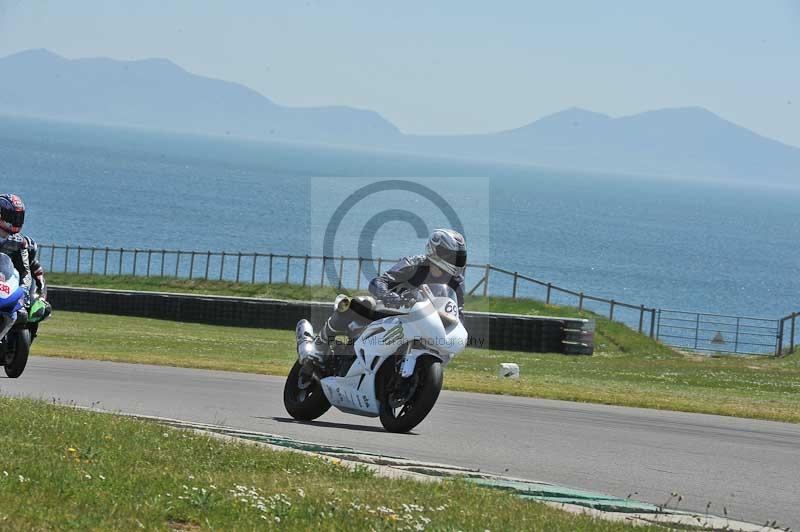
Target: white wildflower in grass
x,y
102,477
301,492
5,473
87,476
21,478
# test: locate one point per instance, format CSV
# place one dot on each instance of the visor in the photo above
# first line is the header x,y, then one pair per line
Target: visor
x,y
12,217
456,258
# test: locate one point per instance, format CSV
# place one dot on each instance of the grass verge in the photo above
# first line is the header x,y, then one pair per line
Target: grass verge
x,y
610,337
66,469
649,375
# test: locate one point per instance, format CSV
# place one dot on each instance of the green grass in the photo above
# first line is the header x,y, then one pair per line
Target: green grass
x,y
66,469
611,336
645,375
168,284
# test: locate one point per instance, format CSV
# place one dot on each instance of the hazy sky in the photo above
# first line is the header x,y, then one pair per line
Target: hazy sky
x,y
455,66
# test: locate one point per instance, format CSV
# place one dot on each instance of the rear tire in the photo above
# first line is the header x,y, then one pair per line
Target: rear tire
x,y
22,347
419,405
303,404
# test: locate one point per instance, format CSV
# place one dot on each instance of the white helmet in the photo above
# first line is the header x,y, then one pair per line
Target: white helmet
x,y
447,249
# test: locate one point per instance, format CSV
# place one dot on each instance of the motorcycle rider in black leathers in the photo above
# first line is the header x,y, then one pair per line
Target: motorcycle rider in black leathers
x,y
12,243
444,262
24,254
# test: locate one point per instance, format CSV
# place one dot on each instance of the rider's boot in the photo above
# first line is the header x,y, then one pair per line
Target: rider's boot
x,y
316,348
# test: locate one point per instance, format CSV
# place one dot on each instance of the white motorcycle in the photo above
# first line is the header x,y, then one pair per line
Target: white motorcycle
x,y
393,369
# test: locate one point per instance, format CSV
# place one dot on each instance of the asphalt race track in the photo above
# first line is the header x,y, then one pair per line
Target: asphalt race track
x,y
751,468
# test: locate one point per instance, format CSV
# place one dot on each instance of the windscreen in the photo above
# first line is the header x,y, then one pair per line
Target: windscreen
x,y
445,300
442,291
7,270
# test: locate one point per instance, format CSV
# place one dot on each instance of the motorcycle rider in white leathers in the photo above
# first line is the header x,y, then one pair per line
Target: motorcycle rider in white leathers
x,y
444,262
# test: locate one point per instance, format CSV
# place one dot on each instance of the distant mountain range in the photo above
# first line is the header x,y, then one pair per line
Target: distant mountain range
x,y
684,142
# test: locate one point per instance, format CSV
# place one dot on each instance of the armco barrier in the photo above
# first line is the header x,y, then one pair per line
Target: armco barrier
x,y
492,331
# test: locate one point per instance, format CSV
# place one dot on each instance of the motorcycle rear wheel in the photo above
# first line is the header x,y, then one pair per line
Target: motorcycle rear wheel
x,y
22,346
411,413
303,401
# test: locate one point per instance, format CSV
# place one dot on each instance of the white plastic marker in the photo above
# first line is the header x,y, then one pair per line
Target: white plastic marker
x,y
509,370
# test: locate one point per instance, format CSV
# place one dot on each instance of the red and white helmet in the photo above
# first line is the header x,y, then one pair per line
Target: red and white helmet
x,y
12,213
447,249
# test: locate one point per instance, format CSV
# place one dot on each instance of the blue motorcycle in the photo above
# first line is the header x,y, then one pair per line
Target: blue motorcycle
x,y
15,336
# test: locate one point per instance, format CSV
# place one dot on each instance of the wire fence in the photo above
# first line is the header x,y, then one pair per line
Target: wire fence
x,y
689,330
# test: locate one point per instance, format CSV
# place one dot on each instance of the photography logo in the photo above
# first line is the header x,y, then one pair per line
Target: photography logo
x,y
399,191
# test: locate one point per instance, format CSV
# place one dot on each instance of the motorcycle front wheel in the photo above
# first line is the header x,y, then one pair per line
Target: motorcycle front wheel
x,y
17,357
427,383
303,397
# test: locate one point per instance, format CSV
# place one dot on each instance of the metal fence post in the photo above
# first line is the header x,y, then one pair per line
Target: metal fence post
x,y
191,265
305,270
238,265
253,273
149,260
736,341
91,262
653,330
779,340
697,330
221,265
549,289
66,258
78,269
208,263
641,318
52,256
791,338
135,258
341,271
514,288
487,270
611,310
163,255
177,262
580,302
322,272
105,262
119,270
270,268
358,274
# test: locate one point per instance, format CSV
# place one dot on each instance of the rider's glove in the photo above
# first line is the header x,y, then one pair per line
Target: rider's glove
x,y
392,300
411,296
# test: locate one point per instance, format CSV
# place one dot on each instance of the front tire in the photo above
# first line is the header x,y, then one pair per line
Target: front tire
x,y
411,413
19,359
304,399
